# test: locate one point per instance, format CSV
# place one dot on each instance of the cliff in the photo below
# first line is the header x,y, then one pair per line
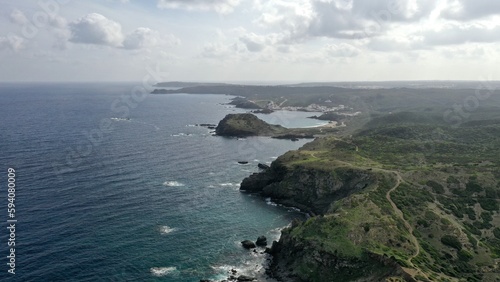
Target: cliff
x,y
309,189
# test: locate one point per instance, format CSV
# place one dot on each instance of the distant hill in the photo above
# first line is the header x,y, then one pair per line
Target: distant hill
x,y
182,84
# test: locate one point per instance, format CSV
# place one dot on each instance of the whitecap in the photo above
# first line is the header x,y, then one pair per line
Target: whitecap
x,y
229,184
120,119
167,230
173,184
162,271
271,203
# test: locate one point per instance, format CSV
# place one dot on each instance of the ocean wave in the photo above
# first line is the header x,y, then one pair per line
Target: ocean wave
x,y
167,229
181,134
162,271
229,184
173,184
271,203
120,119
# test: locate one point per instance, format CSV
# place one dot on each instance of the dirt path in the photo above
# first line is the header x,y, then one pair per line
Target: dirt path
x,y
401,216
407,225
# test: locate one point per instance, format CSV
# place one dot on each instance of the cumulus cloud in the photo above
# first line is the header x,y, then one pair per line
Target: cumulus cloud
x,y
18,17
344,19
253,42
96,29
13,42
220,6
144,37
469,10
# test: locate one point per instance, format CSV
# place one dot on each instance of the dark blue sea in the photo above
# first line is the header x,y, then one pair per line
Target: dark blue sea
x,y
111,189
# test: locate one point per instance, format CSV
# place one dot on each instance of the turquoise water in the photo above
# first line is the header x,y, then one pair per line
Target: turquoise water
x,y
152,198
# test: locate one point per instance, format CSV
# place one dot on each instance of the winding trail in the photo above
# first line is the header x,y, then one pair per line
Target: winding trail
x,y
401,216
406,223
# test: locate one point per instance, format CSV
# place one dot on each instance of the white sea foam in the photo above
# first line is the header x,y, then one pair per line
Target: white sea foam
x,y
120,119
173,184
229,184
271,203
167,229
162,271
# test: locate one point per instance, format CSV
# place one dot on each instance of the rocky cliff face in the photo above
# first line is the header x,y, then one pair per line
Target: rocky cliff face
x,y
315,250
298,260
311,190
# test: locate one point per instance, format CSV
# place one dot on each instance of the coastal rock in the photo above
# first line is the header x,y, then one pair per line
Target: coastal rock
x,y
256,182
263,111
245,278
291,252
330,116
261,241
263,166
243,103
243,125
247,244
309,189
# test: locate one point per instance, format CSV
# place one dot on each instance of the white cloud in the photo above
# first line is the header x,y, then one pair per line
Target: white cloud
x,y
253,42
342,50
13,42
141,38
96,29
144,37
469,10
18,17
344,19
218,50
220,6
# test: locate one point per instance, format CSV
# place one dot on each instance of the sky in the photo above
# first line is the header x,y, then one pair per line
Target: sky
x,y
249,40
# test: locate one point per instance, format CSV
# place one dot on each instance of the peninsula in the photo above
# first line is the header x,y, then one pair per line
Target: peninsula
x,y
409,190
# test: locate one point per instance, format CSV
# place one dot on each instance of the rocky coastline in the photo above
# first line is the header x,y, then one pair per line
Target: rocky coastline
x,y
314,191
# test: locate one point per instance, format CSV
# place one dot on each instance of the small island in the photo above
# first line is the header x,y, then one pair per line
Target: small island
x,y
246,125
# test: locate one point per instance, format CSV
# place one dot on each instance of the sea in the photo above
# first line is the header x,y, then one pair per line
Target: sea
x,y
112,186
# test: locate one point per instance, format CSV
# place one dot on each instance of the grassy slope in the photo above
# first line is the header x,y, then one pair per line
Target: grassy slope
x,y
449,193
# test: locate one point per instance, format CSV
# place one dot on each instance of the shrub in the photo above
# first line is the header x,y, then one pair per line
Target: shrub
x,y
488,204
436,187
496,232
464,255
451,241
